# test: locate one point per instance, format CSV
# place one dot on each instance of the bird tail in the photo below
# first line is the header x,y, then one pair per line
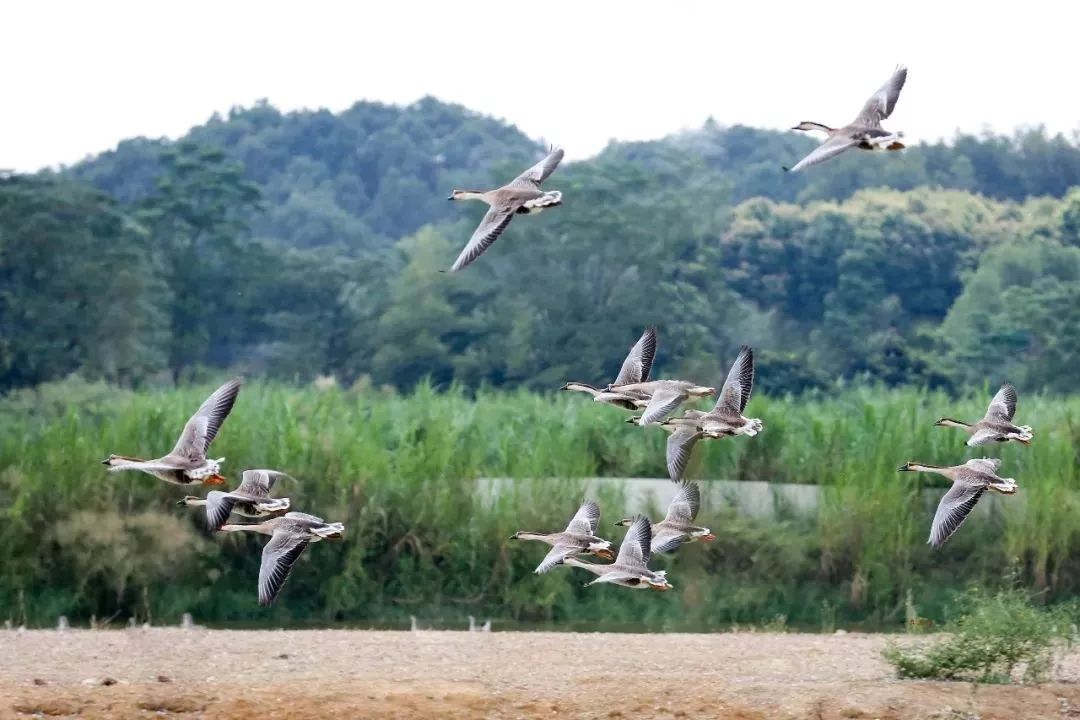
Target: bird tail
x,y
330,531
1006,486
552,198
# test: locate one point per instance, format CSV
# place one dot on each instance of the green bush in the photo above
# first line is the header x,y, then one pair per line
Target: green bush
x,y
994,637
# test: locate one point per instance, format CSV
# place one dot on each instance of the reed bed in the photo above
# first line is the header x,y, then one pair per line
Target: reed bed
x,y
424,538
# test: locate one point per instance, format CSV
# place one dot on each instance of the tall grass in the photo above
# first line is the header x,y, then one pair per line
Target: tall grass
x,y
423,537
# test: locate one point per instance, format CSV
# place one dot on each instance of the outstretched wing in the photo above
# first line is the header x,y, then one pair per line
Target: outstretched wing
x,y
219,506
667,541
203,426
825,151
555,557
491,227
951,512
739,383
636,546
990,465
1003,406
684,506
638,363
539,172
680,445
660,404
259,483
881,103
585,520
278,558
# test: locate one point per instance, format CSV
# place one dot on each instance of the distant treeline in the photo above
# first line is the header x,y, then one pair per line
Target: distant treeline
x,y
309,243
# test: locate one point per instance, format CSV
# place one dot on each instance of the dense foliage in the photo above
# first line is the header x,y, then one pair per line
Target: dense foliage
x,y
309,243
427,530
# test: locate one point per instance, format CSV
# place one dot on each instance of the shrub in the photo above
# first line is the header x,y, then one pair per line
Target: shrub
x,y
993,637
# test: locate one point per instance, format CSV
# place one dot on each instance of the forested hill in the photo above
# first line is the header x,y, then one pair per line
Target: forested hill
x,y
374,173
309,244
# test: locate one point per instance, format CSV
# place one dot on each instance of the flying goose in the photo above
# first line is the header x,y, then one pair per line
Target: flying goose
x,y
678,526
996,425
664,396
187,463
865,132
251,499
726,417
579,538
289,535
630,568
521,196
969,481
635,369
473,627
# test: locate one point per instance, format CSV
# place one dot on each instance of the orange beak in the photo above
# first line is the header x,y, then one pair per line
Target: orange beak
x,y
214,480
708,537
606,554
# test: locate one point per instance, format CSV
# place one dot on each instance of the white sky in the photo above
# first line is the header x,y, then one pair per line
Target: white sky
x,y
78,77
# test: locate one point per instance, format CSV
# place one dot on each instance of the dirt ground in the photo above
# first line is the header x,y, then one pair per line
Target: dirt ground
x,y
448,675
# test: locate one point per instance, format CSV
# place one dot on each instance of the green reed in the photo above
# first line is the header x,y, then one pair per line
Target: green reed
x,y
412,477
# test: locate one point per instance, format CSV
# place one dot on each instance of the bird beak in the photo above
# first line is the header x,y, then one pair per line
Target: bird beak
x,y
179,502
450,197
796,127
105,461
903,468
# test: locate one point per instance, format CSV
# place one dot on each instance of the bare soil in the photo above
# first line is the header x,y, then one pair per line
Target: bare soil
x,y
450,675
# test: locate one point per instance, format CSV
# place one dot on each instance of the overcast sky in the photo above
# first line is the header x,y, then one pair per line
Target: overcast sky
x,y
79,77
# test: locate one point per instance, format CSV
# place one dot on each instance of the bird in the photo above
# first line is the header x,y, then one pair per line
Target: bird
x,y
865,132
251,499
289,535
473,627
630,568
677,527
726,417
996,425
969,482
664,396
186,463
521,196
635,369
579,538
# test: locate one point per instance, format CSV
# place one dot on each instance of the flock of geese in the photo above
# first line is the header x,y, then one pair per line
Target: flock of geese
x,y
291,532
188,464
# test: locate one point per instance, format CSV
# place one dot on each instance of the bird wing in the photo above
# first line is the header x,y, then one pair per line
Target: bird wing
x,y
953,510
219,506
259,483
636,545
826,150
666,541
556,555
278,557
491,227
738,385
982,437
881,103
684,506
680,445
203,426
990,465
661,403
638,362
539,172
305,518
1003,406
585,520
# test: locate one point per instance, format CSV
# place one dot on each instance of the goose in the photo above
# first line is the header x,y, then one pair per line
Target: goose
x,y
630,568
969,482
579,538
521,196
996,425
664,396
680,442
726,417
289,535
187,463
473,627
251,499
635,369
865,132
677,528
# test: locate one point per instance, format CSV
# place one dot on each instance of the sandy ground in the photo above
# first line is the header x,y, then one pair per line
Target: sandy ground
x,y
367,674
